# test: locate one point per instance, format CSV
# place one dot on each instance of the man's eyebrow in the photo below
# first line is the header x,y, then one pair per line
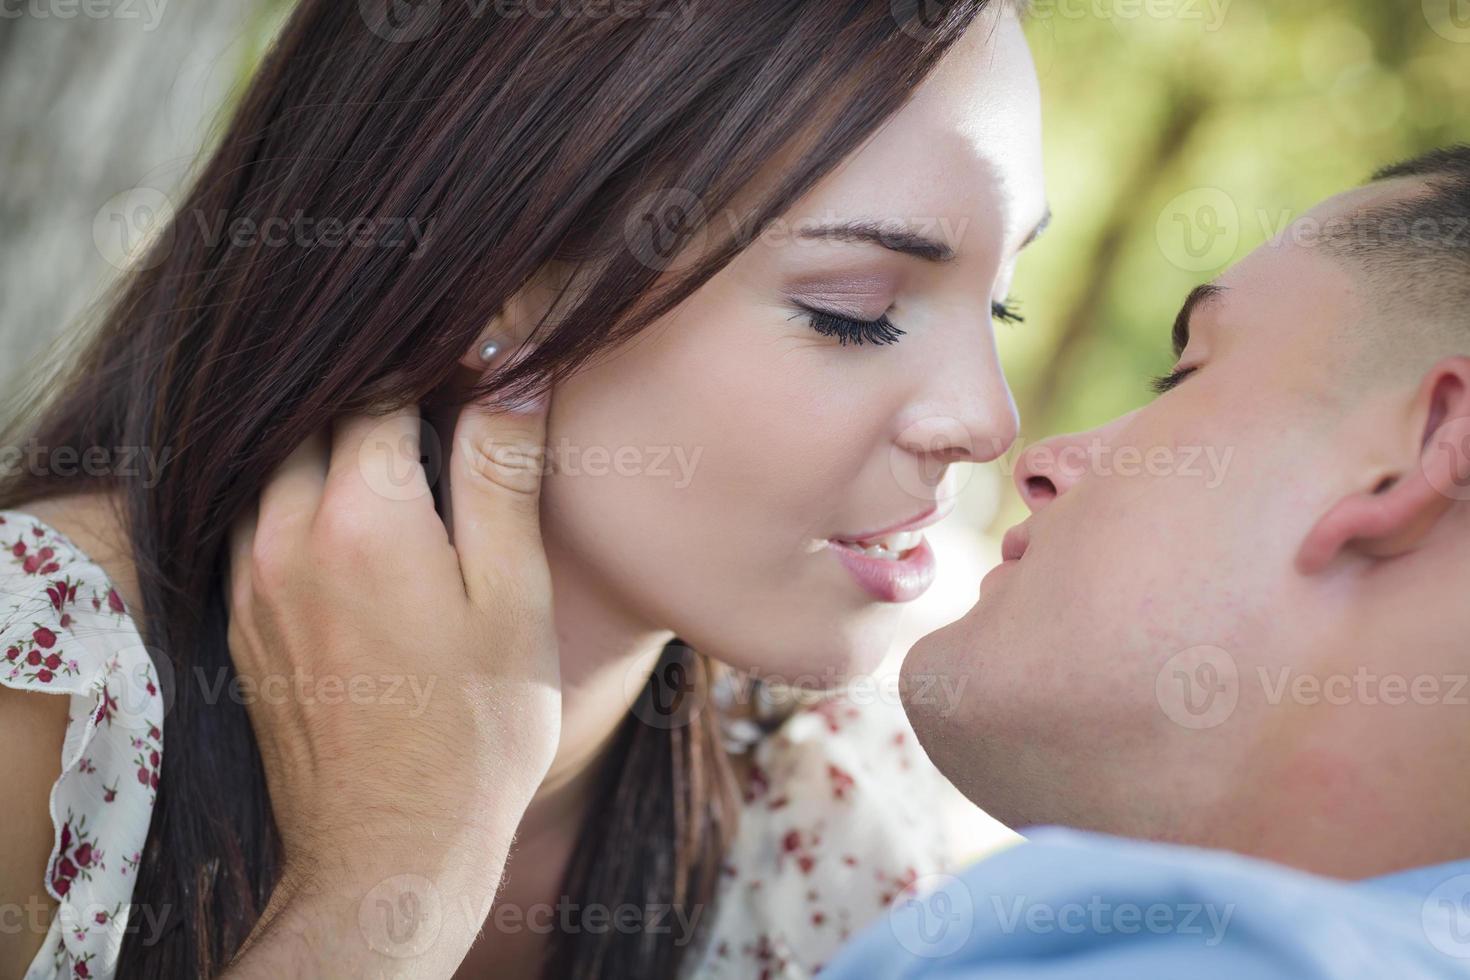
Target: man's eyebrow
x,y
1197,296
899,239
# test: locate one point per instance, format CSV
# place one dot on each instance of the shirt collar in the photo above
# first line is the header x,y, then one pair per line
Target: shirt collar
x,y
1421,881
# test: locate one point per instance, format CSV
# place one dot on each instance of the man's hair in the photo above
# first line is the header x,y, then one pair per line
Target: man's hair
x,y
1413,252
1428,224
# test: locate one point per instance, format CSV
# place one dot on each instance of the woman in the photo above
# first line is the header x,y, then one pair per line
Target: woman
x,y
686,224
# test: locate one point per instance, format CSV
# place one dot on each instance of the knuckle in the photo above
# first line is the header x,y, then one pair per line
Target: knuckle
x,y
507,465
344,531
272,563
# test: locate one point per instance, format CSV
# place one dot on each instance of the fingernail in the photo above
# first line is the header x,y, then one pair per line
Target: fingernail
x,y
533,405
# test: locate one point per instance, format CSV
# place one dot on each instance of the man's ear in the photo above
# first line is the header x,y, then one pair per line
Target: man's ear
x,y
1394,516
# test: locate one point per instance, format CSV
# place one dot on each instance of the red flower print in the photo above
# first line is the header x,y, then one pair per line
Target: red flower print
x,y
65,836
66,621
61,885
791,842
44,676
44,638
114,601
34,658
841,781
82,971
66,869
143,775
83,855
153,780
153,759
53,661
19,550
31,564
12,653
109,793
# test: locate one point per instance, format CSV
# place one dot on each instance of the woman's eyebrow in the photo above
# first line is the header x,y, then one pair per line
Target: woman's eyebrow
x,y
898,239
1197,296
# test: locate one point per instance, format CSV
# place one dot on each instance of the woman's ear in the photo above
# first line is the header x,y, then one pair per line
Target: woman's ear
x,y
490,348
509,332
1395,515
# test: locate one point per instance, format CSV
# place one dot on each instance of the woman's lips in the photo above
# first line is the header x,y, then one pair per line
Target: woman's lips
x,y
901,579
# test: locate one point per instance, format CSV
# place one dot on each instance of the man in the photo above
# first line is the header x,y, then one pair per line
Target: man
x,y
1268,658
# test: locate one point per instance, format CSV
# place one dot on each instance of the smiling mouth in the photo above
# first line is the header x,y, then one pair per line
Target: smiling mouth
x,y
888,547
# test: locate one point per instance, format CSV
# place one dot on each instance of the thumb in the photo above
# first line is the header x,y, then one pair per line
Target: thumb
x,y
495,471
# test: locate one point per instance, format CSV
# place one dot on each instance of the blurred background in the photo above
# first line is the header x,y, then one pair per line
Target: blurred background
x,y
1180,135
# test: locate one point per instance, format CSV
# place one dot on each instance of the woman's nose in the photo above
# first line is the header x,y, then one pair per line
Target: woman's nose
x,y
969,415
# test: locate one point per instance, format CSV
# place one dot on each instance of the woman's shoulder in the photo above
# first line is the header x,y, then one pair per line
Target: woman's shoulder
x,y
66,632
843,814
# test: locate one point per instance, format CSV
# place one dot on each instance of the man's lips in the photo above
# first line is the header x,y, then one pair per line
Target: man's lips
x,y
1015,542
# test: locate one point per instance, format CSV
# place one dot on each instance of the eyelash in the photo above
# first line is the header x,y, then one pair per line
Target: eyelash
x,y
1168,382
882,331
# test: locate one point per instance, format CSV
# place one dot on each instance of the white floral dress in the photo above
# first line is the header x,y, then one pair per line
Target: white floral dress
x,y
843,813
64,630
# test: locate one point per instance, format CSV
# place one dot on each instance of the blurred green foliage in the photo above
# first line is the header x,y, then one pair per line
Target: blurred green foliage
x,y
1253,111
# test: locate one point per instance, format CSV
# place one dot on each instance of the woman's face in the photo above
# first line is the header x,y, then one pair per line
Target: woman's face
x,y
711,475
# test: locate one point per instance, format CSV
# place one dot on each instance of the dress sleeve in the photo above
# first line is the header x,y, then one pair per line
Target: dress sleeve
x,y
842,817
64,630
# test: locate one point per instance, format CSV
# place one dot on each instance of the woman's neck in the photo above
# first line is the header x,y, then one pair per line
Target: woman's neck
x,y
606,657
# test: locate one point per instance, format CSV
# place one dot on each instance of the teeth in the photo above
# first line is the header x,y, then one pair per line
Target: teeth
x,y
890,547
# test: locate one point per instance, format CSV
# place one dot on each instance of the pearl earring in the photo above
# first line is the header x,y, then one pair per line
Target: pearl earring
x,y
489,350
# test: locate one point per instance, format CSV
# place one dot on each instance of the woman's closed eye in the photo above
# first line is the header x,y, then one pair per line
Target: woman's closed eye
x,y
850,330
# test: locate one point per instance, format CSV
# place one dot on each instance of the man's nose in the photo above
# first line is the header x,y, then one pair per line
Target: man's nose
x,y
1052,467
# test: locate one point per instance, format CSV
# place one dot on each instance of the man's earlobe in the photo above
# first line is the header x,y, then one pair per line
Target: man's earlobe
x,y
1395,515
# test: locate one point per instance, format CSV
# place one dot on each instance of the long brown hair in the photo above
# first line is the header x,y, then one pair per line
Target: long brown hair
x,y
509,139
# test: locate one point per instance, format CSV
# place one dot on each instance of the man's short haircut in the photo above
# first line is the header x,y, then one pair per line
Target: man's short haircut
x,y
1413,250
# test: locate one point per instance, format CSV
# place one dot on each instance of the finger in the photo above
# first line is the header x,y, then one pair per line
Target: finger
x,y
293,492
495,470
237,568
379,454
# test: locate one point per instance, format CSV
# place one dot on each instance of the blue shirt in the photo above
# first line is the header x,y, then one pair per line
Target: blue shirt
x,y
1079,906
